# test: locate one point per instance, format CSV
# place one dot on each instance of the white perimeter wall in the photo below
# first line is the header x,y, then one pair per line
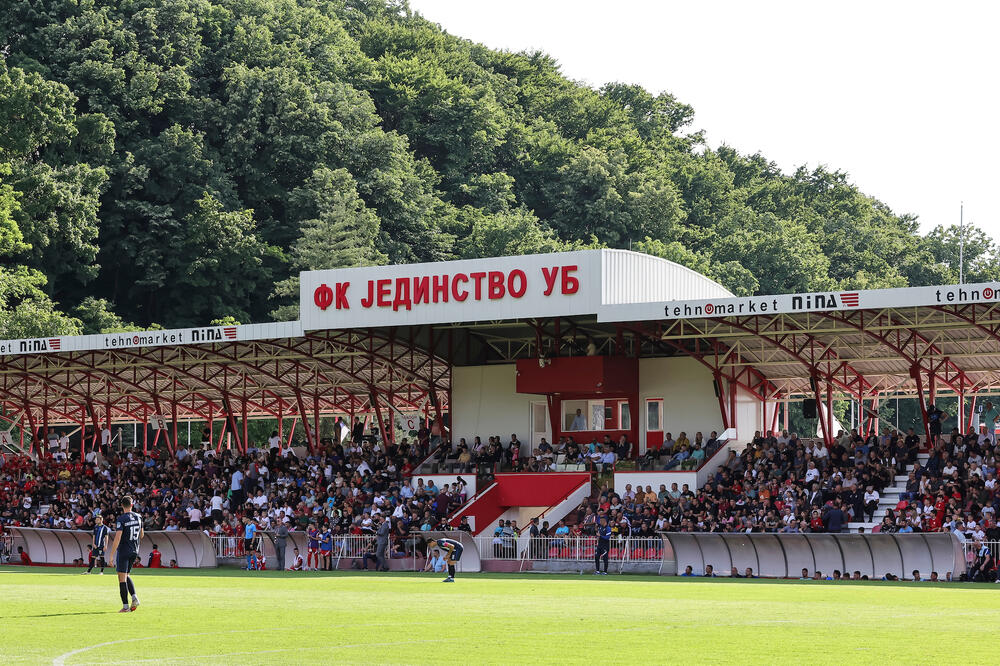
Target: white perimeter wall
x,y
484,402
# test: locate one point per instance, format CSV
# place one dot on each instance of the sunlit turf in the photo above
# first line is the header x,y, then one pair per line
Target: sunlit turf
x,y
234,617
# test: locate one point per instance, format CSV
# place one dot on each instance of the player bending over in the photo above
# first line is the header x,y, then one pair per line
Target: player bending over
x,y
128,534
454,550
98,545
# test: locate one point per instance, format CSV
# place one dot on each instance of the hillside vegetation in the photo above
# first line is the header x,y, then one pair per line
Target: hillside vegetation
x,y
174,162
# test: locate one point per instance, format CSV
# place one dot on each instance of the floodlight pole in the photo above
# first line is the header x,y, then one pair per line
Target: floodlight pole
x,y
961,242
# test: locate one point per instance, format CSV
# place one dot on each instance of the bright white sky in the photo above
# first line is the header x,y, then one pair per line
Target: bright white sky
x,y
901,95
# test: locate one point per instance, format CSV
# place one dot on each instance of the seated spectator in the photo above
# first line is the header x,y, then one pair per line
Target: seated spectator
x,y
436,562
25,560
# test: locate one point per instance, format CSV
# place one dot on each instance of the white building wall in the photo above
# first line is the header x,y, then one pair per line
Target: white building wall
x,y
689,402
484,402
749,418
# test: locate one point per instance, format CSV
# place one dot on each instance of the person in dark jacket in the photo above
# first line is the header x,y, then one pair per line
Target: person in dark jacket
x,y
835,518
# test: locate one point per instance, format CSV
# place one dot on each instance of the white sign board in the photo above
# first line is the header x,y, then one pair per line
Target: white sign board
x,y
409,422
176,336
158,422
987,292
541,285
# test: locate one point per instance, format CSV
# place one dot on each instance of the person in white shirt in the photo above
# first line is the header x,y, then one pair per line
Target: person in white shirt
x,y
820,452
812,473
194,517
64,443
106,435
871,502
216,504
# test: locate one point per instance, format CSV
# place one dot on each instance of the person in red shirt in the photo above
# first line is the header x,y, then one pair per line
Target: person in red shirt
x,y
25,560
155,558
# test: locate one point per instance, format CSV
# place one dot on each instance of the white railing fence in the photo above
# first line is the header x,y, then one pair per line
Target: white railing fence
x,y
568,548
6,548
973,548
232,547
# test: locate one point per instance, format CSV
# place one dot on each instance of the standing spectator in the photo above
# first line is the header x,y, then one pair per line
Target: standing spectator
x,y
603,546
535,544
236,489
155,558
326,548
382,543
835,518
249,532
935,419
280,540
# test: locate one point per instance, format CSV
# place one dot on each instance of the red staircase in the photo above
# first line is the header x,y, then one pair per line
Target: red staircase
x,y
514,490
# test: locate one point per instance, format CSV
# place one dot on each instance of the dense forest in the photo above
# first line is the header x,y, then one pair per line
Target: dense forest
x,y
175,162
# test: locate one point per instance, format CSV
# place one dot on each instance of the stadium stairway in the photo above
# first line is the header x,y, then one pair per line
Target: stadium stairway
x,y
548,496
888,499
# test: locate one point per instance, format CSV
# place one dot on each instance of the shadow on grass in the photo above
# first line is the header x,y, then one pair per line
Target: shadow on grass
x,y
235,572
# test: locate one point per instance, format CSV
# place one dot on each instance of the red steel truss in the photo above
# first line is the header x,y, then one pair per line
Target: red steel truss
x,y
363,374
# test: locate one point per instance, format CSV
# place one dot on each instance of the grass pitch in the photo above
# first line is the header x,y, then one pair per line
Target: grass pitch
x,y
235,617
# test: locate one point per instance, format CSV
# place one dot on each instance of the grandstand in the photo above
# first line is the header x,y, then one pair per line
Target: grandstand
x,y
517,399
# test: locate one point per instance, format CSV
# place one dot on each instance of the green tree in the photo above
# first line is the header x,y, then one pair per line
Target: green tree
x,y
337,231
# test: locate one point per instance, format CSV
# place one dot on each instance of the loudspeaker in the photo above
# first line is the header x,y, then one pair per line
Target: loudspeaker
x,y
809,408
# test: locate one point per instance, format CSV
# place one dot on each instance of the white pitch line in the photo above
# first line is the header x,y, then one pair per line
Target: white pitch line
x,y
346,646
61,659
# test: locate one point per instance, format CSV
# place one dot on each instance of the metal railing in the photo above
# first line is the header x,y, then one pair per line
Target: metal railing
x,y
568,548
972,548
226,547
6,547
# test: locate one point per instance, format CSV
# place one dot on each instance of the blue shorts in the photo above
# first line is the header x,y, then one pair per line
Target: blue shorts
x,y
456,553
124,561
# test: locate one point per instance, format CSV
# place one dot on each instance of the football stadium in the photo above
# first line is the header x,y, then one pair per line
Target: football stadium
x,y
326,335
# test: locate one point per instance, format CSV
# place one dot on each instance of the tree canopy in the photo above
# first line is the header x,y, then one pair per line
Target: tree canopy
x,y
173,162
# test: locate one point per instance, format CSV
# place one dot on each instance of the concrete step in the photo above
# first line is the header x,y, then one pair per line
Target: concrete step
x,y
901,478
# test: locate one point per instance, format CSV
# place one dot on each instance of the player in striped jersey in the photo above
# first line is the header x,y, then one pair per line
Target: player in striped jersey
x,y
454,549
98,545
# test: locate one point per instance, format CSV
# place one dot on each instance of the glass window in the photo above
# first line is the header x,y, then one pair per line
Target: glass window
x,y
584,415
654,414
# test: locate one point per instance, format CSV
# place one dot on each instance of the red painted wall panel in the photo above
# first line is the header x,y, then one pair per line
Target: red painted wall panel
x,y
578,375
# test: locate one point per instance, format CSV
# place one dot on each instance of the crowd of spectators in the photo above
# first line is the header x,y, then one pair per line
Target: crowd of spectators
x,y
344,489
778,483
494,455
